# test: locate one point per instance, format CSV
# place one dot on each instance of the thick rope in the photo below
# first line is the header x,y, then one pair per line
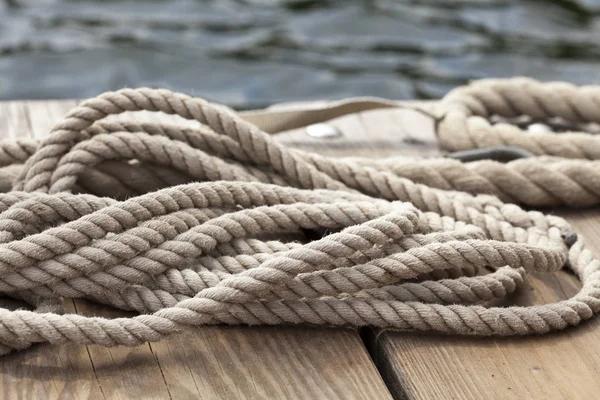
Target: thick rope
x,y
541,181
186,226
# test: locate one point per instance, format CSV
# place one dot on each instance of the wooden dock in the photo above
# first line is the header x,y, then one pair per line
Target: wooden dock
x,y
315,363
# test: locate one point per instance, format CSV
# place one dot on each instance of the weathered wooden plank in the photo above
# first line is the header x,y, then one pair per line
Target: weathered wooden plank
x,y
375,133
211,362
42,115
13,119
267,362
42,372
120,372
238,362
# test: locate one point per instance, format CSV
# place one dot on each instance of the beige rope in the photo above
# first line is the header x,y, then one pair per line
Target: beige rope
x,y
187,226
542,181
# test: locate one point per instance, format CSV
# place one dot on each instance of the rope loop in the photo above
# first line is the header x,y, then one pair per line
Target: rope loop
x,y
216,222
466,112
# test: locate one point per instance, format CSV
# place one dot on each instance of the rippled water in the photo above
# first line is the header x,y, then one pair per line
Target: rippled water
x,y
250,53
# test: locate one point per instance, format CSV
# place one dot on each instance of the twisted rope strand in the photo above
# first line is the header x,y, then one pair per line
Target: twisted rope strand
x,y
547,181
400,243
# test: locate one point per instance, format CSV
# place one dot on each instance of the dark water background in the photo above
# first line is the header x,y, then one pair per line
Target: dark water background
x,y
251,53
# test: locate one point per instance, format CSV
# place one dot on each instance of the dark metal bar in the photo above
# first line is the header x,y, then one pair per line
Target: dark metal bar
x,y
496,153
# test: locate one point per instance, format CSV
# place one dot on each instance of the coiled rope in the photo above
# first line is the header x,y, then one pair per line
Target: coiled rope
x,y
416,245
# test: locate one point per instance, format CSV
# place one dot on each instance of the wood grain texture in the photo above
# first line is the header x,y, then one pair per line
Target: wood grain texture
x,y
207,363
375,133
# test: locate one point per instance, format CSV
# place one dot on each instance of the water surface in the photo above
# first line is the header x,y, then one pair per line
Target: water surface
x,y
251,53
